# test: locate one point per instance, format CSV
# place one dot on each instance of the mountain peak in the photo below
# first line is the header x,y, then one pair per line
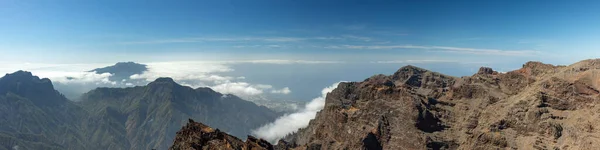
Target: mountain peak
x,y
24,76
486,70
200,136
164,80
122,70
409,70
21,73
27,85
411,67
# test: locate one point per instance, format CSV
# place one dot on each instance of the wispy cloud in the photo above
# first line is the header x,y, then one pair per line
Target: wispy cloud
x,y
481,51
285,90
360,38
426,61
284,61
352,26
413,61
218,39
250,39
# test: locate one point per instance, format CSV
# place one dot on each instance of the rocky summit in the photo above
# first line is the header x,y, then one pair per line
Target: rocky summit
x,y
539,106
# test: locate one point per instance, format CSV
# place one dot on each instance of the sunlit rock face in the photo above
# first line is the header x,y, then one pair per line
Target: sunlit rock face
x,y
539,106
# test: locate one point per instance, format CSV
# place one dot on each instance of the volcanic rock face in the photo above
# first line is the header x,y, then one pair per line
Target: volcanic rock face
x,y
539,106
195,136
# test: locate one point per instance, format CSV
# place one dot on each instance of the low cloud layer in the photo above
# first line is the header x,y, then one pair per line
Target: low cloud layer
x,y
290,123
75,79
62,73
284,90
481,51
208,74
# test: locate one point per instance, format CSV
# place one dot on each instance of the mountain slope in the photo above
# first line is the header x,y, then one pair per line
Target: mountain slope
x,y
150,115
539,106
35,116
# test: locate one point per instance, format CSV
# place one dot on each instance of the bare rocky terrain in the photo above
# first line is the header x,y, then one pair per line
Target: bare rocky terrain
x,y
539,106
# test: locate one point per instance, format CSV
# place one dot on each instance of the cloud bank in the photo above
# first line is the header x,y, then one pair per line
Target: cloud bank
x,y
207,74
284,90
480,51
290,123
62,73
75,79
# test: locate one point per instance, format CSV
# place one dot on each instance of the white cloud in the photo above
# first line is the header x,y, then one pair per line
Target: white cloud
x,y
74,77
267,40
219,39
441,48
290,123
427,61
185,70
61,73
284,61
360,38
413,61
241,89
285,90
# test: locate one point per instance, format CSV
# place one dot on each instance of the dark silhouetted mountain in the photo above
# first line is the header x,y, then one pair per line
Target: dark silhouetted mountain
x,y
122,70
150,115
539,106
35,116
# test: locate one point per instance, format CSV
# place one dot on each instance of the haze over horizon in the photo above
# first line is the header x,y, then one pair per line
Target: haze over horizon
x,y
285,43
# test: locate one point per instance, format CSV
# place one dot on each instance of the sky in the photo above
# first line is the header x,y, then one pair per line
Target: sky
x,y
478,31
300,45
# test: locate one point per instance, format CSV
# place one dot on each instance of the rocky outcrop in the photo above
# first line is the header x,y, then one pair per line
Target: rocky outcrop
x,y
197,136
539,106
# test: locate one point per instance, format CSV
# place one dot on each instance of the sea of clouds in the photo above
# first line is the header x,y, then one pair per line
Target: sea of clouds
x,y
290,123
75,79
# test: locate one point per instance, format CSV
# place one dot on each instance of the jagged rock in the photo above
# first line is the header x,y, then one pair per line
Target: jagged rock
x,y
486,70
197,136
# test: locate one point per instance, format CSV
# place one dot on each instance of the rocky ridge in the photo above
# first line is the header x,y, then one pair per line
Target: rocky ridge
x,y
539,106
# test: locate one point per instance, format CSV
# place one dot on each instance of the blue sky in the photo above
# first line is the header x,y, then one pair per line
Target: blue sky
x,y
76,31
361,38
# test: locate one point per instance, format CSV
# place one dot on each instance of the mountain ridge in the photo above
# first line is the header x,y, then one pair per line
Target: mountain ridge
x,y
141,117
539,106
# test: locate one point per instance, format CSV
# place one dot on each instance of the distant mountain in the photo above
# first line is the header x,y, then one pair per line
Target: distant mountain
x,y
122,70
35,116
539,106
